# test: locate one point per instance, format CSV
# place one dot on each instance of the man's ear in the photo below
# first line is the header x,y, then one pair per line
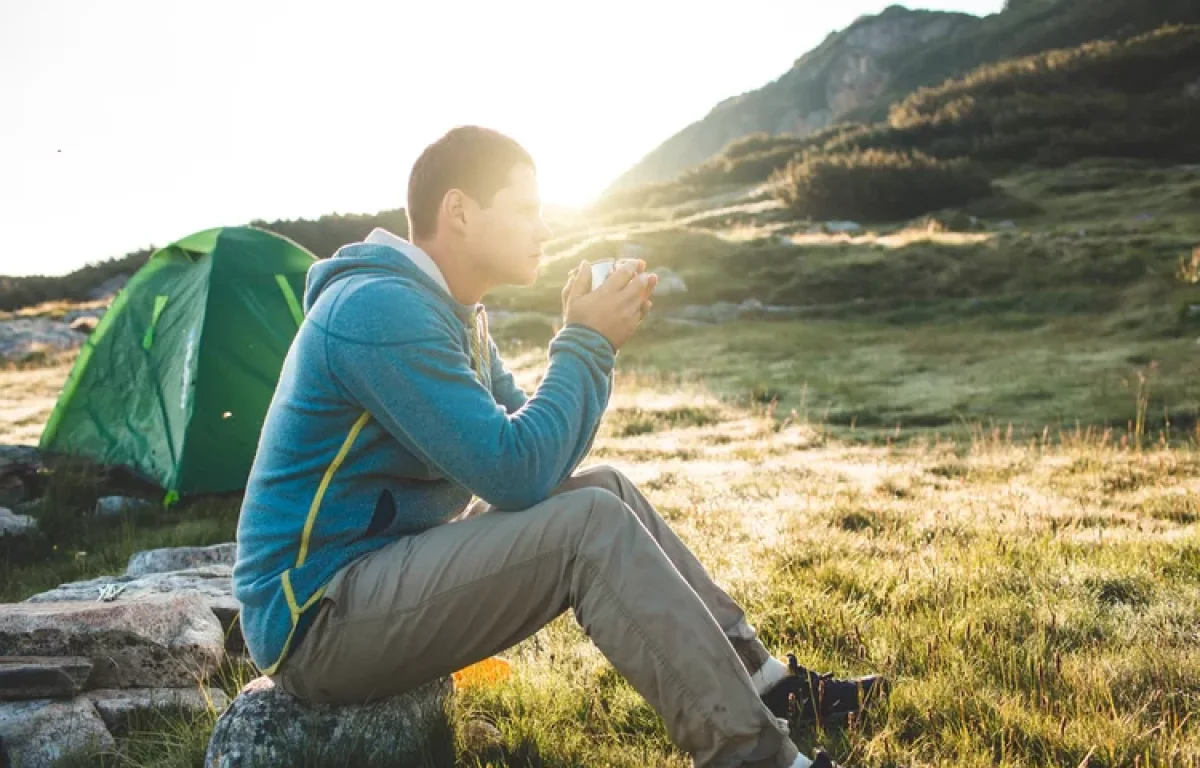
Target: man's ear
x,y
454,210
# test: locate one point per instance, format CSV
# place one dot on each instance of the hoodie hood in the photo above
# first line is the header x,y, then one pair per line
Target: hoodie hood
x,y
381,253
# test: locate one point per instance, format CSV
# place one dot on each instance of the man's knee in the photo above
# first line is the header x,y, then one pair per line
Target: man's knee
x,y
597,508
605,476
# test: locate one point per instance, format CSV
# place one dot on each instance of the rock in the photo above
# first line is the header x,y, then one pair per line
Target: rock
x,y
84,325
28,507
35,734
266,726
180,558
122,708
1193,310
12,490
842,226
167,641
25,336
211,583
108,288
481,738
12,524
750,307
84,312
37,677
632,250
19,454
669,282
720,312
111,507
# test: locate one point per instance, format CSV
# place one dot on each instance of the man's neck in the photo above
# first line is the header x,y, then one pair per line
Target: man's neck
x,y
464,282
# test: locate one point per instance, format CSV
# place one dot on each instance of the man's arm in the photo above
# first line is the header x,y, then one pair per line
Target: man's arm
x,y
424,393
504,386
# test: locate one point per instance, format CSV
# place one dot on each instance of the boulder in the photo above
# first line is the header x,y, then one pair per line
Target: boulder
x,y
750,308
120,709
719,312
84,325
154,641
35,677
21,476
19,454
483,739
212,584
36,734
669,282
12,489
12,524
112,507
31,507
83,313
266,726
842,226
25,336
180,558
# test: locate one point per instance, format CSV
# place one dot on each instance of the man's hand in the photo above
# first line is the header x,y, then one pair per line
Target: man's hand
x,y
617,307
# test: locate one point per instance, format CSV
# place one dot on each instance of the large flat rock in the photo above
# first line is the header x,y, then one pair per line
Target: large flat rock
x,y
35,734
266,726
180,559
121,708
36,677
212,583
155,641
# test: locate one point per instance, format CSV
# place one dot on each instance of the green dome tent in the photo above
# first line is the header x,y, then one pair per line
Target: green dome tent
x,y
175,381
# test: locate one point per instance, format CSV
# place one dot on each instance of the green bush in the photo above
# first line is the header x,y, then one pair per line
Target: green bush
x,y
876,185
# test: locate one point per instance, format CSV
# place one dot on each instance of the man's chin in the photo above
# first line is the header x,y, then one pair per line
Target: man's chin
x,y
527,279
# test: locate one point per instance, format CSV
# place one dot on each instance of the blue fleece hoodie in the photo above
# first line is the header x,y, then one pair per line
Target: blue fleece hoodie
x,y
392,409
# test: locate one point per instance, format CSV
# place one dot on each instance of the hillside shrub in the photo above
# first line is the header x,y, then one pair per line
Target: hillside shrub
x,y
876,185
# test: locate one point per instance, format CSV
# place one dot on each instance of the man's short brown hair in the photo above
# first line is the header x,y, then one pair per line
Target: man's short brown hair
x,y
474,159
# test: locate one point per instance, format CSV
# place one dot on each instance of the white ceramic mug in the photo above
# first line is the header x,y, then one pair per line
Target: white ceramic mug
x,y
602,269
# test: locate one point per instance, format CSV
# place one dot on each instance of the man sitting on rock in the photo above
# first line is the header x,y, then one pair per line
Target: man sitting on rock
x,y
411,511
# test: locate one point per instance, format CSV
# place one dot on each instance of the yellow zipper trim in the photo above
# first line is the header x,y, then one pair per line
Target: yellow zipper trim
x,y
324,486
294,608
295,611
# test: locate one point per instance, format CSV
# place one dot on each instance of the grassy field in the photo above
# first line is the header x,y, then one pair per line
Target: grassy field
x,y
1037,602
970,461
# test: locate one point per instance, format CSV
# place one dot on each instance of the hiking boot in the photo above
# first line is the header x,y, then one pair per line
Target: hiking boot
x,y
806,696
822,760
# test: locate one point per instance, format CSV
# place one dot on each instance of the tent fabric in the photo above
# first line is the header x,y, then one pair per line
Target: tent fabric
x,y
175,381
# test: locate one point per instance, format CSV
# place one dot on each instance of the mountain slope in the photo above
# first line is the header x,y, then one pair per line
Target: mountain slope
x,y
840,75
1137,98
858,73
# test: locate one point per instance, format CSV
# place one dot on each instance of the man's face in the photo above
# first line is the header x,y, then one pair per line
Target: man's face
x,y
505,239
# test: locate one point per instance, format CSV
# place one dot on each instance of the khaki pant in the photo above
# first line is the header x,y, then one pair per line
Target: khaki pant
x,y
427,605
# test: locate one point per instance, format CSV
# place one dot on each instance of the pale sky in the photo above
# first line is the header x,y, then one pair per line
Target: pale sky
x,y
128,123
